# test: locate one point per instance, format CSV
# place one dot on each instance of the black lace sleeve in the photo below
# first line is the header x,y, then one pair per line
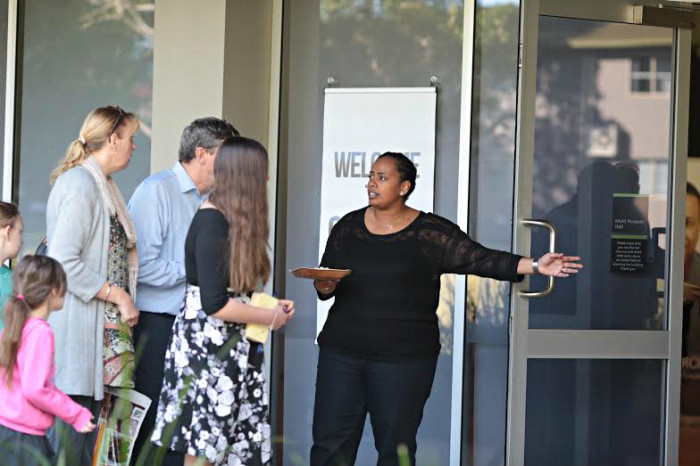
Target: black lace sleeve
x,y
465,256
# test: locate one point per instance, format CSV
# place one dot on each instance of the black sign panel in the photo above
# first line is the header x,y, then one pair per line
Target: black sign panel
x,y
630,233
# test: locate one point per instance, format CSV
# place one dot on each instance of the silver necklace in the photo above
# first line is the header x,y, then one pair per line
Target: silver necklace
x,y
389,226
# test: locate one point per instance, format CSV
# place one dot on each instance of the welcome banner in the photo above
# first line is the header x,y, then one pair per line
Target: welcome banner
x,y
359,124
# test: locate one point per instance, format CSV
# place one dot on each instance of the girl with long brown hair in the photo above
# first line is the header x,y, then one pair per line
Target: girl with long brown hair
x,y
28,396
90,233
10,243
223,417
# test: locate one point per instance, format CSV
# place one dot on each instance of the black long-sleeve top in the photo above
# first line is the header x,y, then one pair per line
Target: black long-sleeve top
x,y
206,266
386,308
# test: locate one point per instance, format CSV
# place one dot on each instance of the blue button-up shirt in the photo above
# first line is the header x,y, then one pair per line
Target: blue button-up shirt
x,y
162,209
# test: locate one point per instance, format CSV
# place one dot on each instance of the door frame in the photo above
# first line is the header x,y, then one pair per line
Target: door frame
x,y
596,344
10,91
463,186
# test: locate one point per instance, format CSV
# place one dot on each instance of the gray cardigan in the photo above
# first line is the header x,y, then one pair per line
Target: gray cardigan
x,y
77,230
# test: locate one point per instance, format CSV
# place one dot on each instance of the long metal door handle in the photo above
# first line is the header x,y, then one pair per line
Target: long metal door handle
x,y
532,222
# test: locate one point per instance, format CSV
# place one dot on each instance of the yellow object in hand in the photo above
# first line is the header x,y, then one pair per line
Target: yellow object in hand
x,y
259,332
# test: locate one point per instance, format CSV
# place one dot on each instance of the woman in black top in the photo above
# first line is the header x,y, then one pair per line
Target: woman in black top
x,y
213,404
380,344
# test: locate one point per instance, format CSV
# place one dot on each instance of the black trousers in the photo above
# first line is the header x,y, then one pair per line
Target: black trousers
x,y
76,448
19,449
349,387
151,339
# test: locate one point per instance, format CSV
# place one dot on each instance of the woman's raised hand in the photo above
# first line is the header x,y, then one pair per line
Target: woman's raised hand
x,y
556,264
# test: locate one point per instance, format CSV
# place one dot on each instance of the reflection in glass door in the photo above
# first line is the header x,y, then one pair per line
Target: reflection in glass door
x,y
601,162
590,362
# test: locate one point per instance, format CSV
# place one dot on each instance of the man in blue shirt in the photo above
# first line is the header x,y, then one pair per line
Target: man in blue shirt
x,y
162,209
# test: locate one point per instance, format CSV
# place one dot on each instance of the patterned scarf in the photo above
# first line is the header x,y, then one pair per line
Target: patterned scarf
x,y
114,201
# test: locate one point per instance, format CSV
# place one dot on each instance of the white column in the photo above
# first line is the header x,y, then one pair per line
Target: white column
x,y
188,71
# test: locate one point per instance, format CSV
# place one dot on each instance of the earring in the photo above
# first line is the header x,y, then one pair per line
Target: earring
x,y
402,193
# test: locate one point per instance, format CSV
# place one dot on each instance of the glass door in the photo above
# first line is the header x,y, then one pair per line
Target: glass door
x,y
595,359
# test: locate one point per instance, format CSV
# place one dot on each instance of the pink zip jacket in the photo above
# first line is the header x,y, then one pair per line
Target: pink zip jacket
x,y
34,401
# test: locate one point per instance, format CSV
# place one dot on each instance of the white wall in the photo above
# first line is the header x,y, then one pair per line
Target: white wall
x,y
188,71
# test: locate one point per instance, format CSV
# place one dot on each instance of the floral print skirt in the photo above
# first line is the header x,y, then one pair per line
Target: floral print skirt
x,y
213,401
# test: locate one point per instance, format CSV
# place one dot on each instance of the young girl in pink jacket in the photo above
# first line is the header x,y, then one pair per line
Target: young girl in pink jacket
x,y
29,399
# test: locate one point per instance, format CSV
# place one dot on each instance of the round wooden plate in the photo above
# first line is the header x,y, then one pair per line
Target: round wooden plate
x,y
317,273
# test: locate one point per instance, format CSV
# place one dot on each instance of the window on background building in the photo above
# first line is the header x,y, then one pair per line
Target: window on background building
x,y
650,75
75,55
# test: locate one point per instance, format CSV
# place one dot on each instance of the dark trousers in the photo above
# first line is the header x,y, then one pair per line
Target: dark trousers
x,y
151,339
349,387
19,449
76,448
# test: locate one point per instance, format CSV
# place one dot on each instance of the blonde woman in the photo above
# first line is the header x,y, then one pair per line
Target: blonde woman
x,y
213,405
90,233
